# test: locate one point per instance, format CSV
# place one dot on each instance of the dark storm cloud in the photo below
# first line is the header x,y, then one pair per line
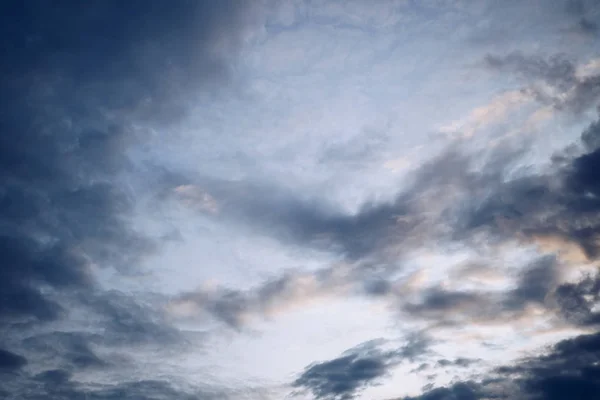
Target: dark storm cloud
x,y
53,377
74,77
458,391
138,54
561,203
344,377
568,370
11,361
576,301
71,74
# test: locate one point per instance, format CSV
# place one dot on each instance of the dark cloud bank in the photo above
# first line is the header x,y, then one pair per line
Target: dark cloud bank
x,y
74,77
569,370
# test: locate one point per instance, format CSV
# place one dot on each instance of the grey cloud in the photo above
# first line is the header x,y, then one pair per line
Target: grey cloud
x,y
591,136
77,76
58,384
53,377
443,300
588,27
143,389
344,377
458,391
376,233
576,301
65,349
459,362
144,54
74,78
379,233
421,368
417,345
561,203
567,370
576,94
512,23
372,241
377,286
399,225
10,360
452,307
128,321
535,283
235,307
586,15
556,70
307,222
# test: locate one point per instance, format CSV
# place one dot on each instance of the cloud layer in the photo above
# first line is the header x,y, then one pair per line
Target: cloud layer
x,y
197,200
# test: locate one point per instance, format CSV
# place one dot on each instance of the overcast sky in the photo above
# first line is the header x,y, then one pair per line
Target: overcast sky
x,y
313,200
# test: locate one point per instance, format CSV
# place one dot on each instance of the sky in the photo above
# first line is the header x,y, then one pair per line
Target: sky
x,y
312,200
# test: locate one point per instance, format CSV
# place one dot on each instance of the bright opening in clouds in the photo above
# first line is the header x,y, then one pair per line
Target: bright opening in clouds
x,y
313,200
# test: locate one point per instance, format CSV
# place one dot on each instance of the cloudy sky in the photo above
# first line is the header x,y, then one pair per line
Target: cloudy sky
x,y
313,200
